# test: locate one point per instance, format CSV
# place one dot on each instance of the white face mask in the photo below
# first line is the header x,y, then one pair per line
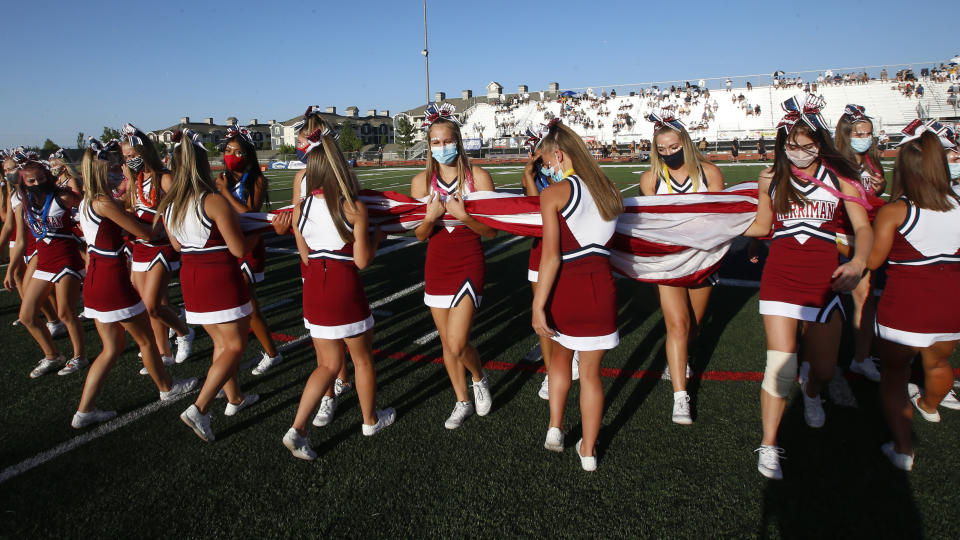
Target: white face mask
x,y
801,158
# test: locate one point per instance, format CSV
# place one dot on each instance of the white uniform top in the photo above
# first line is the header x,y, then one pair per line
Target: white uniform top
x,y
15,199
194,233
319,231
446,189
933,234
680,187
59,220
583,219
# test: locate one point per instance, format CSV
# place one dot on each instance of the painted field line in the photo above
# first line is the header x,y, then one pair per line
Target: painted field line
x,y
404,242
503,245
423,340
628,187
286,251
398,294
748,283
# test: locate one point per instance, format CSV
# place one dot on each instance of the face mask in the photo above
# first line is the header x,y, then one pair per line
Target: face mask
x,y
954,170
114,179
674,160
861,144
444,154
38,189
555,175
234,163
801,159
12,177
135,164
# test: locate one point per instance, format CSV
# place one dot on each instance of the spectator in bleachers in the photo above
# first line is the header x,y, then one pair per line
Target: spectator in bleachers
x,y
729,84
883,75
735,149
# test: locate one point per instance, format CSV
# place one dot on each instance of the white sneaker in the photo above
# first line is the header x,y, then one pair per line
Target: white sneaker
x,y
84,419
328,406
481,396
575,367
681,408
179,389
915,394
47,365
385,417
867,368
248,400
267,362
950,401
554,441
167,361
839,391
544,392
199,423
666,373
16,322
589,463
813,413
299,445
340,386
74,365
57,329
768,462
185,345
461,411
903,462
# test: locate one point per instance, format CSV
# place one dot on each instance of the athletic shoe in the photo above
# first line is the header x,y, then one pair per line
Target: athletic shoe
x,y
167,361
185,345
182,315
839,391
47,365
385,417
481,396
267,362
575,366
666,372
74,365
867,368
57,329
299,445
681,408
328,406
222,394
903,462
179,389
199,423
950,401
248,400
16,322
768,462
589,463
340,386
915,394
544,392
461,411
813,413
84,419
554,441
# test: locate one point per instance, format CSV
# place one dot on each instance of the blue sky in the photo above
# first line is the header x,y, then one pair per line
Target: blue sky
x,y
74,66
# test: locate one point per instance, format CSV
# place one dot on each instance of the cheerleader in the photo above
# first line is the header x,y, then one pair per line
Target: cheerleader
x,y
455,269
153,261
576,300
48,212
108,296
20,270
66,176
203,227
918,236
855,141
333,243
801,197
243,185
676,166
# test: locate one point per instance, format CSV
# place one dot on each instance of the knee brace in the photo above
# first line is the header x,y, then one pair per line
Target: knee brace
x,y
780,373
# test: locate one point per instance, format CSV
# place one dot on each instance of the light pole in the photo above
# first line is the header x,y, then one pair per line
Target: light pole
x,y
425,52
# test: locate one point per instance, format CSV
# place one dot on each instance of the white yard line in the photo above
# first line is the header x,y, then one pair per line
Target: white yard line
x,y
503,245
423,340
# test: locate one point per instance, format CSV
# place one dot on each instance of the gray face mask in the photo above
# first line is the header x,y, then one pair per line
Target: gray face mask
x,y
135,164
12,177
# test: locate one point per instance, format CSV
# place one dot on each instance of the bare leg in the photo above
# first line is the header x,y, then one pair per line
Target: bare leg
x,y
781,335
938,375
591,399
329,359
454,327
864,307
68,294
152,286
821,344
229,343
675,305
561,368
112,336
258,324
361,354
36,291
139,327
895,374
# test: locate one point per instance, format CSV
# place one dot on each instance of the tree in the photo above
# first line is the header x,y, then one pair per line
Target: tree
x,y
109,133
349,141
404,135
50,147
81,141
286,149
211,149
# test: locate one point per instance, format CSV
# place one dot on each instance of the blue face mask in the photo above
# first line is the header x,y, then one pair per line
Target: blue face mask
x,y
553,174
444,154
954,170
861,144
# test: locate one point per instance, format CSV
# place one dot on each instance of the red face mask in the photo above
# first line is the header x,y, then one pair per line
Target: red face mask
x,y
234,163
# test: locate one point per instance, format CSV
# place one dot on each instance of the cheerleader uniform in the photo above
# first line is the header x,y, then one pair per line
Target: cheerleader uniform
x,y
583,304
667,184
148,254
919,303
108,295
796,280
253,263
213,288
30,251
536,250
455,267
57,247
334,303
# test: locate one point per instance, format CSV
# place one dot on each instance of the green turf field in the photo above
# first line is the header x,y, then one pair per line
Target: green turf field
x,y
145,474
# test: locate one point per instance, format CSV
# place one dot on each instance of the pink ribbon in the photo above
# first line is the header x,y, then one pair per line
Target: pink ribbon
x,y
861,200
